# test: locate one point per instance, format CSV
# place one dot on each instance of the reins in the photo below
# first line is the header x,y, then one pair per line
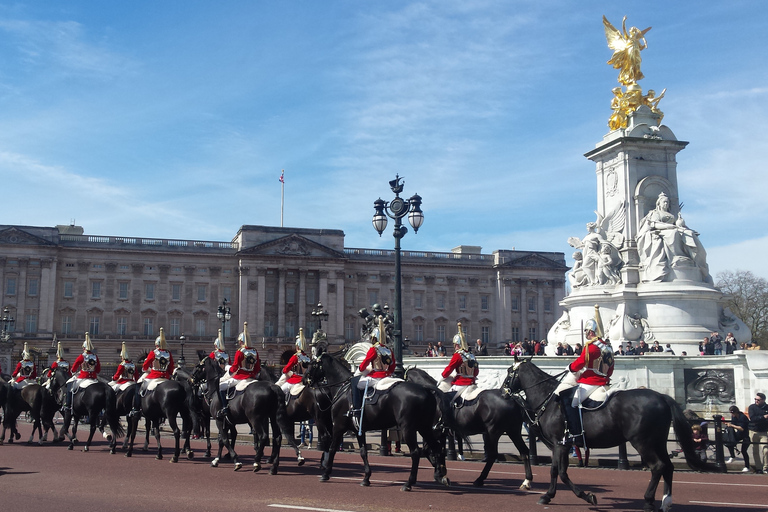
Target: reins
x,y
534,413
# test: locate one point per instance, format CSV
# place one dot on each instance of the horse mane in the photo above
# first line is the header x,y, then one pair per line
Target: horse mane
x,y
201,354
422,377
341,368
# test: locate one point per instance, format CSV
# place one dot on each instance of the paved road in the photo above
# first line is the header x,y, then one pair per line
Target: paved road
x,y
51,476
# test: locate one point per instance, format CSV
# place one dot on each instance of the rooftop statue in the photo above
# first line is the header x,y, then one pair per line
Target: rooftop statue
x,y
626,48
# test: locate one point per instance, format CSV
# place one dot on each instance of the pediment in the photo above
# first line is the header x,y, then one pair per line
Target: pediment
x,y
16,236
292,245
535,261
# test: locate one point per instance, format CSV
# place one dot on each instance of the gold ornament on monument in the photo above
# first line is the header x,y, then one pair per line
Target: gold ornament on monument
x,y
626,46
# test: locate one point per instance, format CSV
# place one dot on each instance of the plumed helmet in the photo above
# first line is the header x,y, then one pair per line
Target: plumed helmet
x,y
590,325
459,340
87,345
244,338
59,351
124,353
301,341
380,332
160,341
26,354
219,342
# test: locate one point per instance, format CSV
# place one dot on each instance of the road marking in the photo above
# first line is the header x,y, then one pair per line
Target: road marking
x,y
296,507
726,504
721,484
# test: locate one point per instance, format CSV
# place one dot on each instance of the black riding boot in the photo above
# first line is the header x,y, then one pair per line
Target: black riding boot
x,y
68,399
356,402
136,401
573,428
225,405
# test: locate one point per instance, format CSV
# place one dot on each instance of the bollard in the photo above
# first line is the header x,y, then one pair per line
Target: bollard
x,y
623,460
719,455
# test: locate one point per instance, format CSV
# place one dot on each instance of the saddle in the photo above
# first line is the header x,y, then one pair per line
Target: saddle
x,y
82,384
573,417
381,388
149,385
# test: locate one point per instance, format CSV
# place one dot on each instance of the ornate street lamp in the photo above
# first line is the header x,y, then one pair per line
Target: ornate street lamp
x,y
7,321
397,209
182,340
224,315
320,314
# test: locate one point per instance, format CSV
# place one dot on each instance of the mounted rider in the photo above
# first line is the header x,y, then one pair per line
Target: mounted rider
x,y
86,366
25,372
157,365
60,362
247,365
294,370
464,364
125,373
378,363
219,354
590,375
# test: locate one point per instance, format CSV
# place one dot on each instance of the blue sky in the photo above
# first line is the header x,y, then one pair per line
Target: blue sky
x,y
174,119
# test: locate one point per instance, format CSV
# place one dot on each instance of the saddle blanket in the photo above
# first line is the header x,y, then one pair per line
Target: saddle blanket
x,y
386,383
297,388
121,387
242,384
84,383
153,383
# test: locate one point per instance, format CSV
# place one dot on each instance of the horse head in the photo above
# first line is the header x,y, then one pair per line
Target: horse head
x,y
326,370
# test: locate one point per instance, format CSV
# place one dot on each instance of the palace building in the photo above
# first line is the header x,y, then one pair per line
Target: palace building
x,y
60,281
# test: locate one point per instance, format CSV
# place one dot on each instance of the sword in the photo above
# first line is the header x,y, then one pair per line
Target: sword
x,y
362,408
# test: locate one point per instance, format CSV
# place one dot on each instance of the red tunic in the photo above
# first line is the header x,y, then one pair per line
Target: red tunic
x,y
454,364
83,373
590,375
158,374
238,372
370,357
121,376
293,365
19,377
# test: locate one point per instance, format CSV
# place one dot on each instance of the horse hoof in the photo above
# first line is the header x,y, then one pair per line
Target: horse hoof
x,y
190,455
591,498
207,454
238,465
128,454
446,481
405,487
174,459
215,463
365,483
112,451
85,448
273,470
478,483
17,435
525,486
71,447
324,478
544,500
256,467
159,457
301,461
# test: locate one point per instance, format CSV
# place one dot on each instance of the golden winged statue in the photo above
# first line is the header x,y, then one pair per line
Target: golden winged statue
x,y
626,48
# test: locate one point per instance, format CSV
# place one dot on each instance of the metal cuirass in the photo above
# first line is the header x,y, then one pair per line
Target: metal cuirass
x,y
162,360
89,361
302,365
383,359
221,357
128,370
27,367
468,365
251,356
62,364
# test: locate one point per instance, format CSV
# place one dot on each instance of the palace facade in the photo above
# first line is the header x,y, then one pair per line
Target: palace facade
x,y
60,281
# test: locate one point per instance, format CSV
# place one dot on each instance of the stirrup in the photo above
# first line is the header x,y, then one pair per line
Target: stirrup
x,y
133,412
222,413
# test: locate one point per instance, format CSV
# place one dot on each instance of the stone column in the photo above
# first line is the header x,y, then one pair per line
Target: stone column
x,y
47,292
243,302
337,316
261,299
302,299
540,308
523,309
281,303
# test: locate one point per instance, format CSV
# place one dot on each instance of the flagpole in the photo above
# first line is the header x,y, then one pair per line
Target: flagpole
x,y
282,196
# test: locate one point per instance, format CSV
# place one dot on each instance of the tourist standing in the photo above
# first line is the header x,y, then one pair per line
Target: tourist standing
x,y
758,428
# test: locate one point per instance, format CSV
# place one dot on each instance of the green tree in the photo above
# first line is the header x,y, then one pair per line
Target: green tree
x,y
747,297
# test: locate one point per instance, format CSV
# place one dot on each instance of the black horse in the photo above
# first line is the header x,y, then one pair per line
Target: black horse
x,y
123,405
87,402
639,416
36,400
259,405
490,414
167,401
406,405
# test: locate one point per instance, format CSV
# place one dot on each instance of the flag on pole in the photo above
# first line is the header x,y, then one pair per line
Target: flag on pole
x,y
282,176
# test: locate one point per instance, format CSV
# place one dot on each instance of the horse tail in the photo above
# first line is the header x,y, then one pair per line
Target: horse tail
x,y
110,413
685,437
192,413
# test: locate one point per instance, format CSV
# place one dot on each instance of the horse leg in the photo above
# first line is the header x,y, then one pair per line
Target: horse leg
x,y
147,429
491,449
93,422
277,443
364,455
336,438
207,433
524,452
176,438
35,427
560,454
659,463
224,433
409,438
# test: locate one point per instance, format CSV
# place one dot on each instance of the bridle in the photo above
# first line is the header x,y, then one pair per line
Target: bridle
x,y
324,386
533,413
